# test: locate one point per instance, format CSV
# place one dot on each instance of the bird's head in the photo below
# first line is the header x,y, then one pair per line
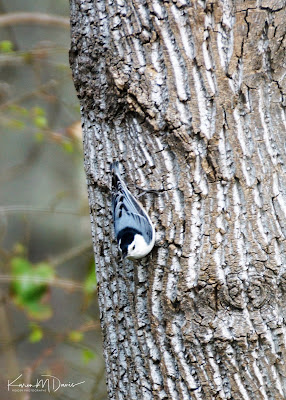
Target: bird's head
x,y
138,248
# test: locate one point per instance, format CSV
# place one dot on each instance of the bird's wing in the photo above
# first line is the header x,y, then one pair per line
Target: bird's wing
x,y
127,212
126,216
120,192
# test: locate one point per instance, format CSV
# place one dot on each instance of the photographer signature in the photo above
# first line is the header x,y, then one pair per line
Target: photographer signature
x,y
47,382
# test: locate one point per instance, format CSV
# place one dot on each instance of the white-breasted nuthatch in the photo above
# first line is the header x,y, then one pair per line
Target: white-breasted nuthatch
x,y
134,231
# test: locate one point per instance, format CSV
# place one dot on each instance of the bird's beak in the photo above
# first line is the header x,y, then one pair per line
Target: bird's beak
x,y
124,254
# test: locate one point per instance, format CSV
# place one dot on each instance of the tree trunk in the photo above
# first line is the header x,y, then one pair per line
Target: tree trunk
x,y
190,97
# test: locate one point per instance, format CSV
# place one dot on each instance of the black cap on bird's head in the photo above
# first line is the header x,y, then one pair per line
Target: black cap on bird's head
x,y
126,237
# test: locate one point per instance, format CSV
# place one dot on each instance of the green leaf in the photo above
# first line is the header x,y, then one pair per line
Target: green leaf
x,y
44,270
16,124
36,333
68,146
6,46
75,336
87,355
20,266
29,285
90,284
39,311
16,109
40,121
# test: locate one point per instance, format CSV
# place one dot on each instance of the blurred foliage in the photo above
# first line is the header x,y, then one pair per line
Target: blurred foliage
x,y
90,283
75,336
87,355
6,46
36,333
49,318
29,287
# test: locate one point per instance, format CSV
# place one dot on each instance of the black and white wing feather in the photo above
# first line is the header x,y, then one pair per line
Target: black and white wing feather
x,y
128,215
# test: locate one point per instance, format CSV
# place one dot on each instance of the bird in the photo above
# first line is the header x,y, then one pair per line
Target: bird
x,y
134,230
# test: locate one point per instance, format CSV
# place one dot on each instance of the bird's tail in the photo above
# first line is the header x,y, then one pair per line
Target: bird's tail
x,y
117,181
115,168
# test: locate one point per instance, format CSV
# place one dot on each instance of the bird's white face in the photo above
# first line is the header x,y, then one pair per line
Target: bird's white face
x,y
138,248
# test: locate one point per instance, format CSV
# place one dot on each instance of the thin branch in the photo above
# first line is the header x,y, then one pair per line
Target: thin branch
x,y
57,282
44,355
89,326
31,209
17,18
40,90
71,253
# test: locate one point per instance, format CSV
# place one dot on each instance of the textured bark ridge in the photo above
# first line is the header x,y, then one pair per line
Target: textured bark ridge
x,y
190,96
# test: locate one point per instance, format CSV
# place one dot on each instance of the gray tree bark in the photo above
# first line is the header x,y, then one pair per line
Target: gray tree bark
x,y
190,97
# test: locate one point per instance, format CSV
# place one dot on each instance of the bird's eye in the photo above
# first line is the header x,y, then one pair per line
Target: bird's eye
x,y
133,248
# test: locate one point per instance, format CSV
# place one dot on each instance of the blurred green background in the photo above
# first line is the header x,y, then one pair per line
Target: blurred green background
x,y
49,318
